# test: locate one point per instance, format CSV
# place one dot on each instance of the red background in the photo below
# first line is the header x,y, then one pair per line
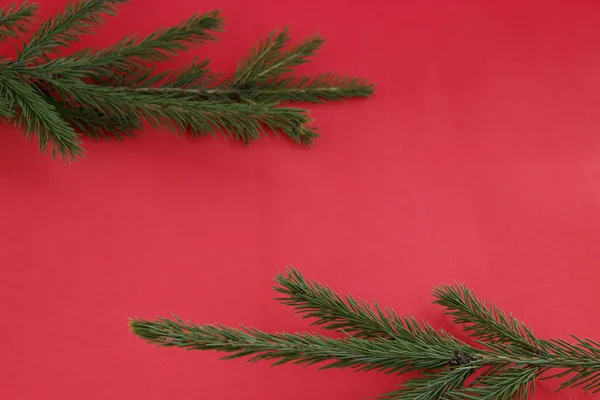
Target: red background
x,y
478,160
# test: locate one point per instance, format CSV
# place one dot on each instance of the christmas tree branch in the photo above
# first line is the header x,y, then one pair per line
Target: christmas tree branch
x,y
36,116
14,18
433,385
265,54
346,314
111,92
183,113
309,89
504,384
66,28
485,321
276,61
351,352
130,55
506,365
96,124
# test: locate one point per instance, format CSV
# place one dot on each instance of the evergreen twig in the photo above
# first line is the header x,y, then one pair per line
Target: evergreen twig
x,y
112,92
506,365
66,27
485,321
14,18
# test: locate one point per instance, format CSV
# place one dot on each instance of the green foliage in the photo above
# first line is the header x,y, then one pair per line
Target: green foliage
x,y
345,314
13,19
66,28
35,115
270,60
486,322
351,352
112,92
432,385
503,384
506,366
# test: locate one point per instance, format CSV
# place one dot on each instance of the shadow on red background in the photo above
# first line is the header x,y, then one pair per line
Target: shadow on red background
x,y
477,161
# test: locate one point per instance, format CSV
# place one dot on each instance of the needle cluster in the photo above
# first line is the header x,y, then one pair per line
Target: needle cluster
x,y
504,365
111,92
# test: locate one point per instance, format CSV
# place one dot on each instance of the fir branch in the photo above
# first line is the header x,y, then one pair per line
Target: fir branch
x,y
316,89
503,384
196,75
286,60
66,27
510,362
264,54
240,121
131,54
37,116
486,321
359,354
96,124
348,315
269,61
6,110
432,386
14,19
195,79
581,361
111,92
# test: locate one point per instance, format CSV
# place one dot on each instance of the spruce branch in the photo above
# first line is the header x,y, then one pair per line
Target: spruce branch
x,y
36,116
309,89
263,55
184,113
437,385
96,124
132,55
194,76
346,314
6,111
114,91
286,60
14,18
485,321
506,366
303,348
504,384
67,27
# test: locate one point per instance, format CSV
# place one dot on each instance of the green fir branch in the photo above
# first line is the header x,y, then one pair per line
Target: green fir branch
x,y
264,54
132,54
504,384
97,124
309,89
241,121
112,92
348,315
36,116
307,349
580,362
196,75
6,110
485,321
506,367
66,27
286,60
14,19
437,385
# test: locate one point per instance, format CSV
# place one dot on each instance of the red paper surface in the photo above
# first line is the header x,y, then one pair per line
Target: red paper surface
x,y
477,161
